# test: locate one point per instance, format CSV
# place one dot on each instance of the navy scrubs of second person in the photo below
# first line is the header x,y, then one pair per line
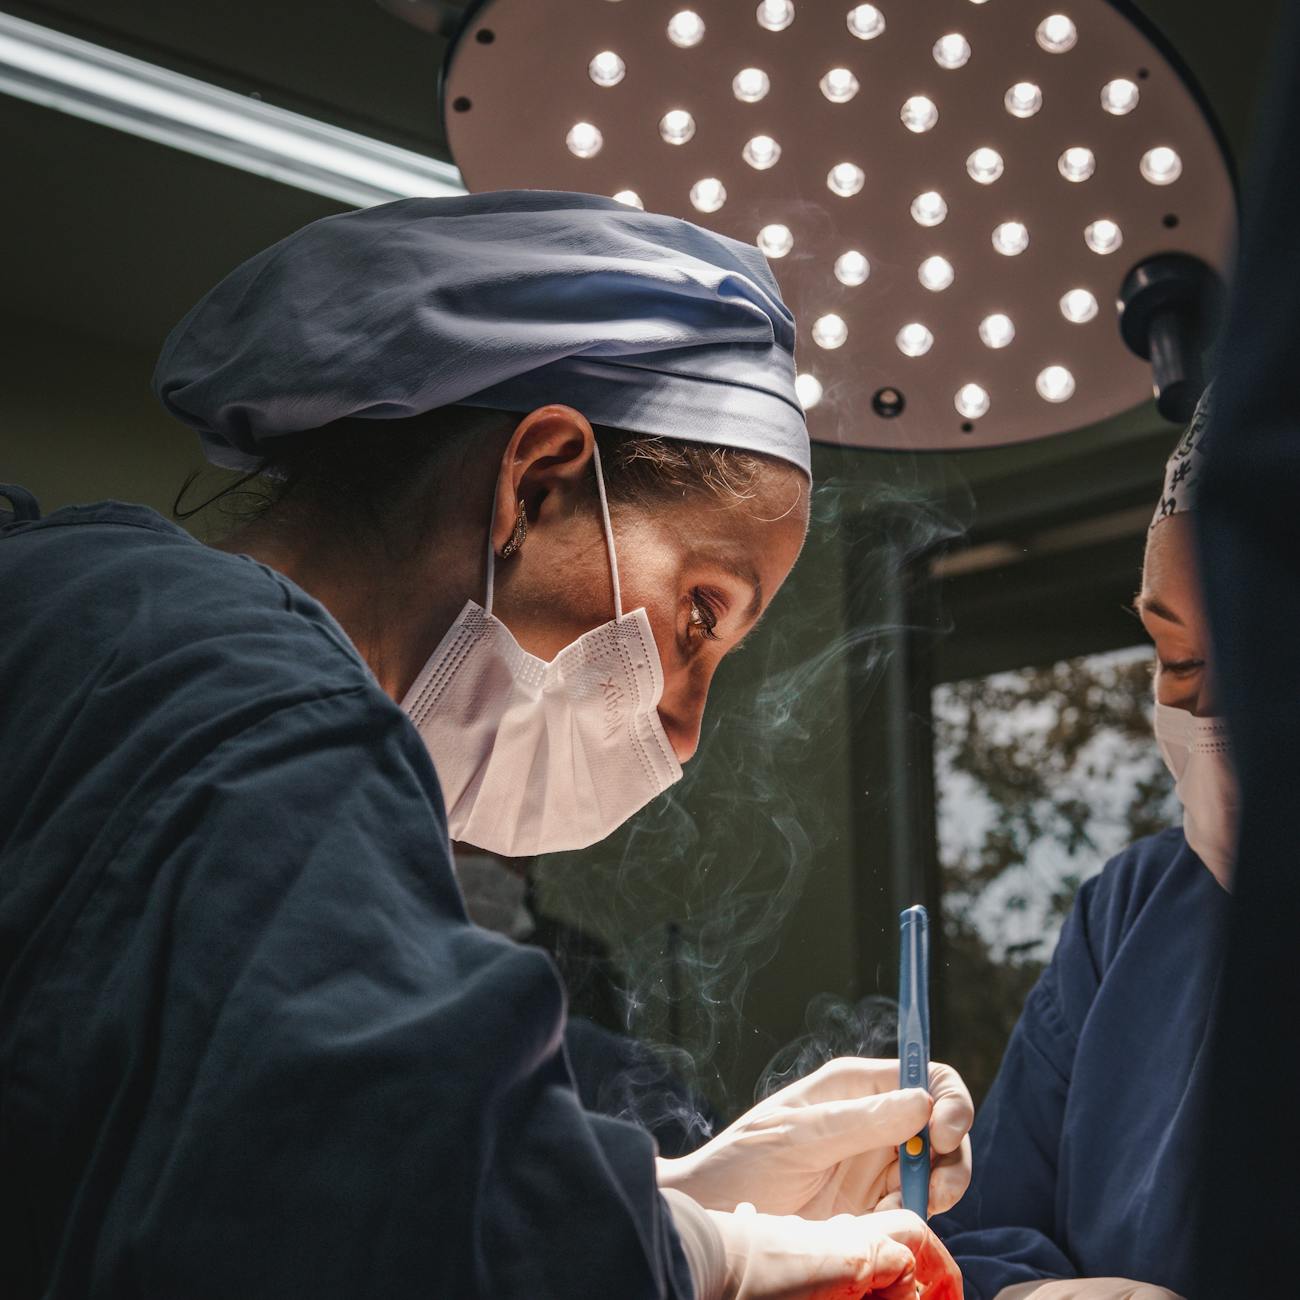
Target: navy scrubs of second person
x,y
1091,1139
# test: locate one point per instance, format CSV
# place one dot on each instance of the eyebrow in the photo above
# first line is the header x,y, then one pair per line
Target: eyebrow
x,y
746,572
1150,605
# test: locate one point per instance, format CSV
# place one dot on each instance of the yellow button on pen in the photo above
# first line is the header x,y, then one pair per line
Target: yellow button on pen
x,y
914,1146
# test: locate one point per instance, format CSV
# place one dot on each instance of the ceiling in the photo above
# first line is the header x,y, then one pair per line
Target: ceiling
x,y
115,237
345,61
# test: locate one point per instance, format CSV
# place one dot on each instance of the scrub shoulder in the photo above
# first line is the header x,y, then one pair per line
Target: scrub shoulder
x,y
175,639
1111,903
141,664
251,1044
207,586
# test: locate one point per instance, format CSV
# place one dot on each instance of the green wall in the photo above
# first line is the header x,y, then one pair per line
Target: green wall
x,y
78,422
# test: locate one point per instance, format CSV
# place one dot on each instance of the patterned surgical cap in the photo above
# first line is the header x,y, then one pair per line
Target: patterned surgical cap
x,y
1186,466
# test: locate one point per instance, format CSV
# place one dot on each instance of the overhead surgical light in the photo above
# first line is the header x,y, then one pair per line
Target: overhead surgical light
x,y
60,72
1056,150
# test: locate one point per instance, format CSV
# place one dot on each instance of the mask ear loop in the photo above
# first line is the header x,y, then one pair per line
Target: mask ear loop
x,y
609,530
605,523
491,554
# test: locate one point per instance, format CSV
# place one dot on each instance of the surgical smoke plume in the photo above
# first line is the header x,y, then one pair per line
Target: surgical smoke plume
x,y
693,895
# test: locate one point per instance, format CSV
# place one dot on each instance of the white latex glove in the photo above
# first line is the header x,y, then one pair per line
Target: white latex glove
x,y
744,1255
1086,1288
828,1144
892,1255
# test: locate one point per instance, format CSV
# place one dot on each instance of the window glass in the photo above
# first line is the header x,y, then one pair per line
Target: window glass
x,y
1042,775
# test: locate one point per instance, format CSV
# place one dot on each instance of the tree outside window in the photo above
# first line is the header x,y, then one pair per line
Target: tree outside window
x,y
1042,774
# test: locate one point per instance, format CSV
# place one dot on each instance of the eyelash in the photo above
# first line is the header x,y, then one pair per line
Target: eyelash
x,y
703,617
1183,666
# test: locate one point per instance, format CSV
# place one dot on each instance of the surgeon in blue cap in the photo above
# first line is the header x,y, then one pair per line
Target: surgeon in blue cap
x,y
535,465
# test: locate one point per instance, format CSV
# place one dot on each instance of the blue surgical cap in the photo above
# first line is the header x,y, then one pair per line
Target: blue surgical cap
x,y
509,300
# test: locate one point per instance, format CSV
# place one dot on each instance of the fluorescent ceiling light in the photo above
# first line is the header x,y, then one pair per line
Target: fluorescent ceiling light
x,y
88,81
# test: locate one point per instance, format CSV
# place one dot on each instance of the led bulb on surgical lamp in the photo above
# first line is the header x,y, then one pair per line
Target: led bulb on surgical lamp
x,y
808,389
852,268
972,401
686,29
839,85
1161,165
914,340
708,195
677,126
749,85
919,114
584,140
775,240
985,165
761,152
775,15
607,69
952,51
1103,236
1011,238
866,22
1024,99
1120,96
830,332
1079,306
1057,34
845,179
996,331
1055,384
1076,163
929,209
935,273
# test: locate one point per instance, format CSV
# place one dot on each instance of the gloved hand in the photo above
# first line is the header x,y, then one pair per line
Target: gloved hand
x,y
892,1255
828,1144
1086,1288
744,1255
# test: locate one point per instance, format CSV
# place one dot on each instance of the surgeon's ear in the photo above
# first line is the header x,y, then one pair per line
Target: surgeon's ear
x,y
545,463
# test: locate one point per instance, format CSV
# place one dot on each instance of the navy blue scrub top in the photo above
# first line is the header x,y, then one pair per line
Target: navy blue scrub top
x,y
250,1046
1087,1147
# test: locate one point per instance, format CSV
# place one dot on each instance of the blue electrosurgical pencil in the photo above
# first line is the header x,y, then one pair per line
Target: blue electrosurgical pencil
x,y
914,1049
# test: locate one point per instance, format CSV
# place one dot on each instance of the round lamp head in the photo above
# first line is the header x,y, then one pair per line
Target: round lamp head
x,y
952,195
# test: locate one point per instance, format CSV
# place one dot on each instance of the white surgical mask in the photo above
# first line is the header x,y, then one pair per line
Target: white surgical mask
x,y
536,757
1197,753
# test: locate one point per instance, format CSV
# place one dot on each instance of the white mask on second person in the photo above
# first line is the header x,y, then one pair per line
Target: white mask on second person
x,y
536,757
1198,755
